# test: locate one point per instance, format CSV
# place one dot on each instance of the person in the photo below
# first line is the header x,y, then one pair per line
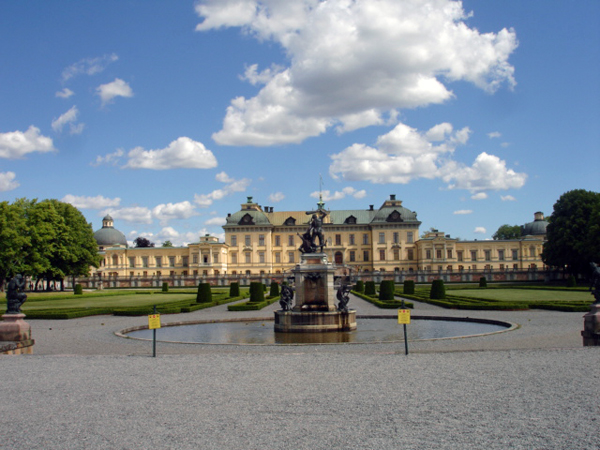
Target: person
x,y
15,297
316,231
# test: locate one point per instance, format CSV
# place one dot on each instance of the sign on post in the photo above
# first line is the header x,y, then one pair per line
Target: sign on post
x,y
153,321
404,316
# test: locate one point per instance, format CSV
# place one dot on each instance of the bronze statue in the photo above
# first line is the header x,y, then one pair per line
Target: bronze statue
x,y
343,296
15,297
314,232
595,282
287,294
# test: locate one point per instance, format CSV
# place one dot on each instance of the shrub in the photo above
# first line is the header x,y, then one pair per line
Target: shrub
x,y
571,282
370,288
257,292
438,290
234,290
483,282
386,290
360,286
274,292
165,286
78,289
204,293
409,287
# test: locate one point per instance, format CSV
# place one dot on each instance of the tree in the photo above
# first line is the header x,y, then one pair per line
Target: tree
x,y
507,232
142,242
572,233
13,241
167,244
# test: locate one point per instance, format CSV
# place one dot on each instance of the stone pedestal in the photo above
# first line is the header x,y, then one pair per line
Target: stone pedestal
x,y
591,327
315,308
15,335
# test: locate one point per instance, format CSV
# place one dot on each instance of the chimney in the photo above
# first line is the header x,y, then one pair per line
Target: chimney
x,y
370,207
393,197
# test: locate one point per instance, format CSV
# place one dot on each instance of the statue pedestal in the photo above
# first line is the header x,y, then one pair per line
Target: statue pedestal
x,y
15,335
591,327
315,307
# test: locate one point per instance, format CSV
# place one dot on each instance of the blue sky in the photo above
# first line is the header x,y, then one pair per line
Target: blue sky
x,y
167,115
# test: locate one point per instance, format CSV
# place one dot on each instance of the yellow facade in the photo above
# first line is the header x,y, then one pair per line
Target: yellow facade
x,y
261,241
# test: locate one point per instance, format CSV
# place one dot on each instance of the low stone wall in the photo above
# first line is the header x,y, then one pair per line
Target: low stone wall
x,y
17,347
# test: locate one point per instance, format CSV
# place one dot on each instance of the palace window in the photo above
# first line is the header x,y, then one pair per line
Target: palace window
x,y
215,258
351,239
382,238
247,240
381,255
261,257
144,261
234,258
410,254
450,254
132,261
438,254
233,240
459,255
500,255
396,254
396,237
352,256
171,261
195,258
186,261
427,254
473,255
338,239
488,255
277,241
291,257
515,254
532,251
291,240
409,237
248,257
158,260
365,239
261,239
366,255
278,258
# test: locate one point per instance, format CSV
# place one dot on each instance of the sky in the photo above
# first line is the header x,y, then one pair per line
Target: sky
x,y
168,115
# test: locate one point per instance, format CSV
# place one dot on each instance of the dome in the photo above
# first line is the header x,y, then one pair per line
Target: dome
x,y
108,235
535,228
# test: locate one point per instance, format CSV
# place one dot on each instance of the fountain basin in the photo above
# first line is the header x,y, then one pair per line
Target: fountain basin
x,y
371,329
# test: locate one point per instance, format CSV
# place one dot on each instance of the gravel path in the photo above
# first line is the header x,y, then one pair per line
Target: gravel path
x,y
531,388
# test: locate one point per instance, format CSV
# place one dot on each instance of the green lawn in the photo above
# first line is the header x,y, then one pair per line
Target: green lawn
x,y
522,295
109,301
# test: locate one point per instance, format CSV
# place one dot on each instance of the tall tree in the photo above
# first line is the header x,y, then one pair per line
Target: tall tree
x,y
13,240
142,242
167,244
572,233
507,232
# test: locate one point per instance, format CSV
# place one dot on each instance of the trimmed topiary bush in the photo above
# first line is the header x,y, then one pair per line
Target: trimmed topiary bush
x,y
370,288
409,287
78,289
165,286
359,286
483,282
234,290
204,293
274,292
386,290
257,292
438,290
571,281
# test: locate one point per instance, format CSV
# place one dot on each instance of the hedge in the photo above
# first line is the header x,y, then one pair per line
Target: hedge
x,y
257,292
438,290
274,292
370,288
234,289
409,287
204,293
359,287
253,306
393,304
386,290
483,282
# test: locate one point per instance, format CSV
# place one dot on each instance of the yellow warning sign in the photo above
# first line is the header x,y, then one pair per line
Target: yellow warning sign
x,y
404,316
153,321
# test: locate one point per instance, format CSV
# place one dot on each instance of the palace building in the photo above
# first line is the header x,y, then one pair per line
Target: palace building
x,y
260,241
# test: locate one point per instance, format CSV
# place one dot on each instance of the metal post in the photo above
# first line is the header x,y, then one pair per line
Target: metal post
x,y
154,338
405,334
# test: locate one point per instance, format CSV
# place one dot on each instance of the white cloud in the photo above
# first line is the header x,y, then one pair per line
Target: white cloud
x,y
111,158
117,88
338,195
88,66
70,118
508,198
205,200
494,134
65,93
351,63
167,212
463,211
276,197
488,172
98,202
170,234
182,153
480,230
16,144
216,221
133,214
479,196
7,181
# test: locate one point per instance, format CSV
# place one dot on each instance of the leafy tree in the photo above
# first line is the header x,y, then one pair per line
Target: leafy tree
x,y
507,232
572,233
142,242
167,244
13,240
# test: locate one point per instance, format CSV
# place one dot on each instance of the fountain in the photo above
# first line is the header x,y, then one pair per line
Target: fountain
x,y
315,309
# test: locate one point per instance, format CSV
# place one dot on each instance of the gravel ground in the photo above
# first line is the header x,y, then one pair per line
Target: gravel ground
x,y
531,388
